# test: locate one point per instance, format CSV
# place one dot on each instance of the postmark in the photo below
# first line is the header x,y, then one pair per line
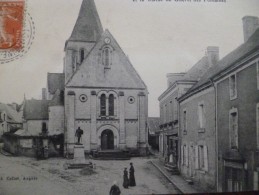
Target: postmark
x,y
16,30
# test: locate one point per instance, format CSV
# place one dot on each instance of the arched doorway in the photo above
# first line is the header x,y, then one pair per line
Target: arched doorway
x,y
107,140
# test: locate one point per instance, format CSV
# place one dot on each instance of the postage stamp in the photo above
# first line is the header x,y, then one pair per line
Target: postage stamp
x,y
11,24
16,30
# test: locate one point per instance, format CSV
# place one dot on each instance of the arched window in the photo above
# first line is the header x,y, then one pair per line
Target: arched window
x,y
111,105
103,105
82,55
107,56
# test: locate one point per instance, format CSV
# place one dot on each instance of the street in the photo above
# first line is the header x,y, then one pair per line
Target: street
x,y
21,175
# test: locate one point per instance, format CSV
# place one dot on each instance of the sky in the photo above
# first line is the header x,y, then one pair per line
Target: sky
x,y
159,37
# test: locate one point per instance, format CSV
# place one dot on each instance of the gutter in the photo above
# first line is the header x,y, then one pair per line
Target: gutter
x,y
216,133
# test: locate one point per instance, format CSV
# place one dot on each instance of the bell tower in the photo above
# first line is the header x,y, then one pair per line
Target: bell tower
x,y
86,32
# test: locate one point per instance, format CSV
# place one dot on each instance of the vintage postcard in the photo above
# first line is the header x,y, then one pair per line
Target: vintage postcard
x,y
129,96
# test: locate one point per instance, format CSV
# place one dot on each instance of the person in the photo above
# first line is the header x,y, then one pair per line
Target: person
x,y
125,179
115,190
79,133
132,181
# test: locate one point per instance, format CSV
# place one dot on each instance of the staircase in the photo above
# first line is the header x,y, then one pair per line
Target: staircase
x,y
173,169
111,155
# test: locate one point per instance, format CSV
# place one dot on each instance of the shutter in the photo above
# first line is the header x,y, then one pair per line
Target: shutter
x,y
182,155
196,158
187,155
206,162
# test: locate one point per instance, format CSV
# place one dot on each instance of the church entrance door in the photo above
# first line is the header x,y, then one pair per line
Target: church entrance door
x,y
107,140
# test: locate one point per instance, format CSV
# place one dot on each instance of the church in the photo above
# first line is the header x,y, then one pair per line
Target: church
x,y
101,92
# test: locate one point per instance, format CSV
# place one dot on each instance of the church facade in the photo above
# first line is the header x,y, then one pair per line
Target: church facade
x,y
103,93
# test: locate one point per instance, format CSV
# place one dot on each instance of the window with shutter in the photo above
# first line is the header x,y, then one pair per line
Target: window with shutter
x,y
233,128
206,162
196,158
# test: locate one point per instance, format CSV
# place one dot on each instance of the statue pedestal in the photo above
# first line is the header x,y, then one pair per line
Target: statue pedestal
x,y
79,154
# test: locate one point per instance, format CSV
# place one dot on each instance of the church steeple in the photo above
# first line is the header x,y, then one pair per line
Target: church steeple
x,y
88,26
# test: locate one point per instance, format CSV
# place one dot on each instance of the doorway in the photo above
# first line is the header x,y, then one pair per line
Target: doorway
x,y
107,140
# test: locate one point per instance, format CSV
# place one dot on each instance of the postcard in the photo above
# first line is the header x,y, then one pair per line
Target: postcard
x,y
129,97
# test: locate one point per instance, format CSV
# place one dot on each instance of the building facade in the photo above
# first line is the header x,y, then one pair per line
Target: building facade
x,y
104,95
238,113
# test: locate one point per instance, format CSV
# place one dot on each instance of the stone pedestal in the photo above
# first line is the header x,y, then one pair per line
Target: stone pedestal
x,y
79,154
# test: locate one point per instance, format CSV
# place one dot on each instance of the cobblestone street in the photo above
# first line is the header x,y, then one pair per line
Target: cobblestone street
x,y
50,177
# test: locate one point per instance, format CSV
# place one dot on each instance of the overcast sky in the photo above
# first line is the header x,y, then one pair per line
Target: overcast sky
x,y
159,38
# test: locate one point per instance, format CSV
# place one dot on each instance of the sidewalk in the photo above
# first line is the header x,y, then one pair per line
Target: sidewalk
x,y
177,180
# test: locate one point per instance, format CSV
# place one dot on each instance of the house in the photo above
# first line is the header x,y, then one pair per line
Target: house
x,y
197,130
178,85
10,117
237,107
219,120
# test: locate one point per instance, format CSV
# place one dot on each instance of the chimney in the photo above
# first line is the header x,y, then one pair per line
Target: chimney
x,y
250,25
44,94
213,55
172,77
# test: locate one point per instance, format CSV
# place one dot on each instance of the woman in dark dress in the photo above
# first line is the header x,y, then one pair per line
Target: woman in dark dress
x,y
132,181
125,179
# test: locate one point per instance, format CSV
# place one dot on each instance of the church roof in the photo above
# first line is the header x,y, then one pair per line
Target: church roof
x,y
55,81
36,109
121,74
229,60
88,26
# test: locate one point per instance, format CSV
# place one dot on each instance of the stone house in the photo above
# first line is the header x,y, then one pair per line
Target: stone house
x,y
237,84
10,117
219,120
178,85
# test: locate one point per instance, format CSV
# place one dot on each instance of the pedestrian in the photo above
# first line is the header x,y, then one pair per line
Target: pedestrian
x,y
132,181
125,179
115,190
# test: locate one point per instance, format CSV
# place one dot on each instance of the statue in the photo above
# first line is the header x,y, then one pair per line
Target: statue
x,y
79,133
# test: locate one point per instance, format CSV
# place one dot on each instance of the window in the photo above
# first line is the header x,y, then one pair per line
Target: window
x,y
257,124
44,127
107,57
233,128
185,121
201,115
201,157
111,105
74,62
184,155
232,87
82,55
257,70
175,109
103,105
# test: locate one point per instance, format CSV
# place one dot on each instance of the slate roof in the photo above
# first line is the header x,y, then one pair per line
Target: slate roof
x,y
56,81
232,58
12,115
153,124
88,26
36,109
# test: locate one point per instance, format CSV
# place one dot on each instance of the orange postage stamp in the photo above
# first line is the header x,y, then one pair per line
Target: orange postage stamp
x,y
11,24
